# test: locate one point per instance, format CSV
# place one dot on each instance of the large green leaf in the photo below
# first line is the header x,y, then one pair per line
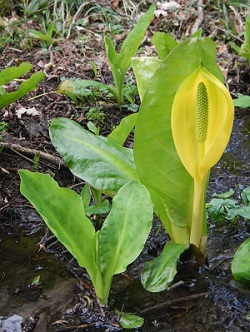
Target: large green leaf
x,y
241,263
125,230
63,212
102,163
159,273
156,159
24,88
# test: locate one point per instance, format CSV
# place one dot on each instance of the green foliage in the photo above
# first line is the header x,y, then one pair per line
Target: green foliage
x,y
119,62
103,253
245,47
113,164
106,165
241,263
242,101
34,5
47,37
129,321
224,207
3,126
160,272
95,115
164,43
11,73
36,280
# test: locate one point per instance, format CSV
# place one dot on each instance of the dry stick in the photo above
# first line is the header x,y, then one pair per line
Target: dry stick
x,y
199,18
75,17
32,152
170,302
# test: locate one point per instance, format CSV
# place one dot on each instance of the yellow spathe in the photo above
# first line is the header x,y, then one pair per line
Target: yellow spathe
x,y
201,120
198,156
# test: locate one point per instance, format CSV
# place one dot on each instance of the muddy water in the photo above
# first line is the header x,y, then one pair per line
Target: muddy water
x,y
203,300
20,264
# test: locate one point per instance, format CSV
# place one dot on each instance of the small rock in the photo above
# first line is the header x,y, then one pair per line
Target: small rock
x,y
11,324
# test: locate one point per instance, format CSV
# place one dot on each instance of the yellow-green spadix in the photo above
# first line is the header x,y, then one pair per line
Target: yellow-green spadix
x,y
202,119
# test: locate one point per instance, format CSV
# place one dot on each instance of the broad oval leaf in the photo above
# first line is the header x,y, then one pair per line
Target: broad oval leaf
x,y
129,321
63,212
241,263
126,228
159,273
156,158
102,163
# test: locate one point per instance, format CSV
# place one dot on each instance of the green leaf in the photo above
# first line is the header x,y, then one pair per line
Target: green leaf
x,y
164,43
113,59
225,195
45,37
36,280
245,195
134,39
129,321
9,74
77,87
220,209
243,211
102,163
101,208
144,68
86,196
121,133
241,263
25,87
156,159
159,273
35,5
197,33
63,212
242,101
125,230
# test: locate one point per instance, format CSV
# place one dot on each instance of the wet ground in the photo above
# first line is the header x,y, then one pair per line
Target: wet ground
x,y
206,299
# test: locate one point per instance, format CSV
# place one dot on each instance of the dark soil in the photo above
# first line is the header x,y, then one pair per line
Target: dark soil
x,y
204,299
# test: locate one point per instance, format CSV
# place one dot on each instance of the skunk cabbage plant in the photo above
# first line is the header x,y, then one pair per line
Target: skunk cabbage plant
x,y
181,130
202,118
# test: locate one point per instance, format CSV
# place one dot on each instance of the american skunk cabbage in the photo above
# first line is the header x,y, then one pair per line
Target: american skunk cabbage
x,y
202,119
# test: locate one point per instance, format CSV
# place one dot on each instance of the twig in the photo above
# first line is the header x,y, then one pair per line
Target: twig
x,y
230,34
32,152
199,19
74,327
75,17
170,302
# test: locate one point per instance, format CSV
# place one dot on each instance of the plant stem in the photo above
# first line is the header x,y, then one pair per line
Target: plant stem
x,y
198,213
